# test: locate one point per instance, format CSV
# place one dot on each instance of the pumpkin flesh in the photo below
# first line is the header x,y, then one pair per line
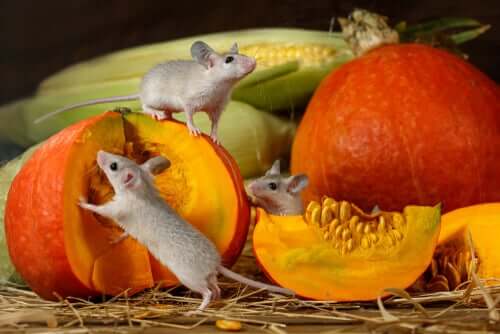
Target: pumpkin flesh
x,y
300,256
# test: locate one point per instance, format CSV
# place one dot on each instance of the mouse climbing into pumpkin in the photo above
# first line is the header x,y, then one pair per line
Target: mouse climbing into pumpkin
x,y
141,212
202,84
278,194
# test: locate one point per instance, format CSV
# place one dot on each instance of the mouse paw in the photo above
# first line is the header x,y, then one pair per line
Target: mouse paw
x,y
215,139
82,202
160,116
194,131
114,241
192,313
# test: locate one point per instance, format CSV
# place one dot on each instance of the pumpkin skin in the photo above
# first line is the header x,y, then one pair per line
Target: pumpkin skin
x,y
295,254
58,248
402,124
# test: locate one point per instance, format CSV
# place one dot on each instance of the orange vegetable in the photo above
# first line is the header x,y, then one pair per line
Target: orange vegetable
x,y
337,252
59,248
404,123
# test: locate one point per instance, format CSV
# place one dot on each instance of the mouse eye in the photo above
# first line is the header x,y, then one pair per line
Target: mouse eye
x,y
229,59
273,186
113,166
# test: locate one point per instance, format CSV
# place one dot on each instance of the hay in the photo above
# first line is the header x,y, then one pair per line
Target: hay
x,y
471,309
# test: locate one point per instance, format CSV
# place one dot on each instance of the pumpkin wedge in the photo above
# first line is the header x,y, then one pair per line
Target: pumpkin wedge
x,y
61,249
338,252
451,265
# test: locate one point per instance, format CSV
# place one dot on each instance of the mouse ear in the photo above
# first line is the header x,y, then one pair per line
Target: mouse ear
x,y
156,165
234,48
202,53
296,183
275,169
129,177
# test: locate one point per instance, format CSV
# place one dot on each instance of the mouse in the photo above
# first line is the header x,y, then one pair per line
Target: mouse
x,y
202,84
141,212
278,194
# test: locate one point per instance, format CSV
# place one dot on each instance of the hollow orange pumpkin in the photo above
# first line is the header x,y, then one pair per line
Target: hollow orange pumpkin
x,y
60,249
404,123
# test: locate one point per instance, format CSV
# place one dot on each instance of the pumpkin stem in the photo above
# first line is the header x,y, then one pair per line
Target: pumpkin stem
x,y
364,31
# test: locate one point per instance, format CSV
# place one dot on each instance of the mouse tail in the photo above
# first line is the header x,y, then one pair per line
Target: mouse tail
x,y
88,103
258,285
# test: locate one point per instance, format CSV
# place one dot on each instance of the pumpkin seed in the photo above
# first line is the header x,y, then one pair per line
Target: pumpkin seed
x,y
346,234
228,325
360,227
452,276
335,209
338,231
350,245
333,225
328,201
326,215
353,222
381,224
365,242
345,210
437,283
316,215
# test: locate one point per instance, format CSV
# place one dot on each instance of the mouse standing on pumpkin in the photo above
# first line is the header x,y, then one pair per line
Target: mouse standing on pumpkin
x,y
277,194
202,84
140,211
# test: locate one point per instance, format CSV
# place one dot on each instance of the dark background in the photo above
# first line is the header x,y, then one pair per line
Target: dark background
x,y
38,38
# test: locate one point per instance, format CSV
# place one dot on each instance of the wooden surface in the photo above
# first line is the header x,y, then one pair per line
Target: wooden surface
x,y
38,38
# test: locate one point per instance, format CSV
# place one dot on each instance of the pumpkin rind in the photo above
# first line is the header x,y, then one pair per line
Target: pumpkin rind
x,y
402,124
294,255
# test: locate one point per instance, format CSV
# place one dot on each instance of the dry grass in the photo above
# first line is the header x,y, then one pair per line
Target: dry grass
x,y
472,309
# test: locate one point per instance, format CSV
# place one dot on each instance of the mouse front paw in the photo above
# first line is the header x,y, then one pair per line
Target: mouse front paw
x,y
215,139
160,116
82,202
194,131
117,240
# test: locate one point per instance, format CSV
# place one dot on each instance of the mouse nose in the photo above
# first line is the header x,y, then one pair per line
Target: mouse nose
x,y
252,64
252,187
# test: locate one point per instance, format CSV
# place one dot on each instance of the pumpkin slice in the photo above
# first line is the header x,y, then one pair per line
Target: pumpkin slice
x,y
61,249
451,265
337,252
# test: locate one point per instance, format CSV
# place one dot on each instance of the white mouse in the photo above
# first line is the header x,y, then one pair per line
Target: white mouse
x,y
277,194
140,211
202,84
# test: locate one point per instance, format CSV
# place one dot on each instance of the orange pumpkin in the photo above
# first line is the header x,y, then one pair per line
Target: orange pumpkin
x,y
338,252
402,124
59,248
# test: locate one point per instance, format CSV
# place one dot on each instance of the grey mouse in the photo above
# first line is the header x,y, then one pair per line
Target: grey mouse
x,y
140,211
277,194
202,84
